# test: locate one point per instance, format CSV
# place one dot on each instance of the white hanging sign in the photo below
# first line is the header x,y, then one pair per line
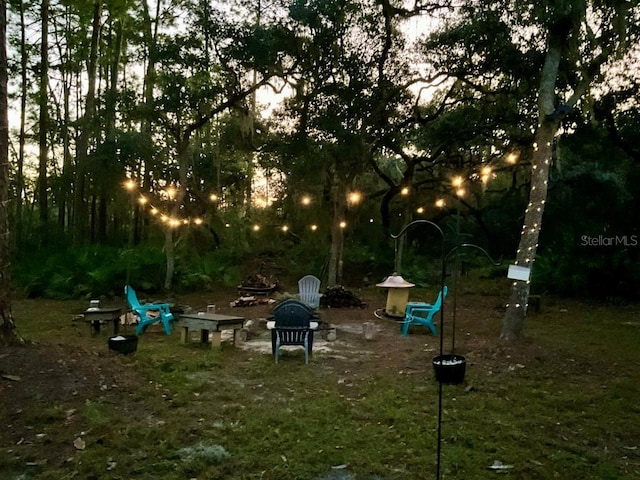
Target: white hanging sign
x,y
516,272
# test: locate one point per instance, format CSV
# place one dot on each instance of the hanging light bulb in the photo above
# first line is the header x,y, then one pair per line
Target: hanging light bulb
x,y
129,184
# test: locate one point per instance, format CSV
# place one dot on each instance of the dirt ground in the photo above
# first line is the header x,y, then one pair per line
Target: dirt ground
x,y
69,373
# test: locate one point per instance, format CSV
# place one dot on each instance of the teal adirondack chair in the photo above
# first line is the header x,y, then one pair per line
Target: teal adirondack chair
x,y
149,313
419,313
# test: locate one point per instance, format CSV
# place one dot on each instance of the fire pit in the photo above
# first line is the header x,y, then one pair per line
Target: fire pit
x,y
256,284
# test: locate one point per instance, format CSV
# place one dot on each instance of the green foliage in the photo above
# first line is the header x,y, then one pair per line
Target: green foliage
x,y
87,271
590,243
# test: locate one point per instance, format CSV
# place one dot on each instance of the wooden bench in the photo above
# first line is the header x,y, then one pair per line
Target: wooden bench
x,y
213,323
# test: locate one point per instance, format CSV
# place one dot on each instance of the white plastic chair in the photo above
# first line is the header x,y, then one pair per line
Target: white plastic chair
x,y
309,290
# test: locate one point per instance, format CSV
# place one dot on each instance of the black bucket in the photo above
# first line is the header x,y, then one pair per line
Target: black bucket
x,y
124,344
450,368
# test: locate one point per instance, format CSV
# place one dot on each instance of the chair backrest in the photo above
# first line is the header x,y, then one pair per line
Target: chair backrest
x,y
309,288
292,313
438,304
132,298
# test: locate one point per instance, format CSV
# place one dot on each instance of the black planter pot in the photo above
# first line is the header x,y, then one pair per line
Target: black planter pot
x,y
450,368
125,344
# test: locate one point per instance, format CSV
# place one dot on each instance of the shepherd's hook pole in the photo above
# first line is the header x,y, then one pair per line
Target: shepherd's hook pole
x,y
442,277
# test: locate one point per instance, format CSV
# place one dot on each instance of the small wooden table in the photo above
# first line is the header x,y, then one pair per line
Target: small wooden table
x,y
94,316
210,322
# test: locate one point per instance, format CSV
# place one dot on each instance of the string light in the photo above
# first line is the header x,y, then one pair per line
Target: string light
x,y
354,198
170,192
485,174
512,158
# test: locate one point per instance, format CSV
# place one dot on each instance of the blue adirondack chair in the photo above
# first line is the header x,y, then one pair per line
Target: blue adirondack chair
x,y
149,312
419,313
309,290
293,324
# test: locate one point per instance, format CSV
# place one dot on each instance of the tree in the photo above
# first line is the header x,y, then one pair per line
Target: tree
x,y
537,63
8,333
43,198
348,95
202,73
87,130
578,45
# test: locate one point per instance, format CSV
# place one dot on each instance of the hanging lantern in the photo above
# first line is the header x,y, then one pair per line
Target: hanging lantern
x,y
397,296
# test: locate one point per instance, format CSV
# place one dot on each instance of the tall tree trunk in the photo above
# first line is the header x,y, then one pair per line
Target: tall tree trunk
x,y
104,184
43,202
23,134
8,333
150,33
86,131
550,114
513,323
334,270
182,152
170,256
64,193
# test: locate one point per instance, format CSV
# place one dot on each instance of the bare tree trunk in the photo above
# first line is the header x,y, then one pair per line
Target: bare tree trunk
x,y
182,147
170,257
23,117
8,333
43,122
67,162
334,270
86,131
150,34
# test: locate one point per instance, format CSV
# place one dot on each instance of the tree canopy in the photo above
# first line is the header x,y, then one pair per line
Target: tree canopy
x,y
312,129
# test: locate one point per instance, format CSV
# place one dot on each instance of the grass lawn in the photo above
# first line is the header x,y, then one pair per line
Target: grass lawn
x,y
563,403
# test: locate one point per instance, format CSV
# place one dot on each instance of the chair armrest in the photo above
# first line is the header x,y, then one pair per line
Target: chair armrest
x,y
271,325
411,307
313,325
425,309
